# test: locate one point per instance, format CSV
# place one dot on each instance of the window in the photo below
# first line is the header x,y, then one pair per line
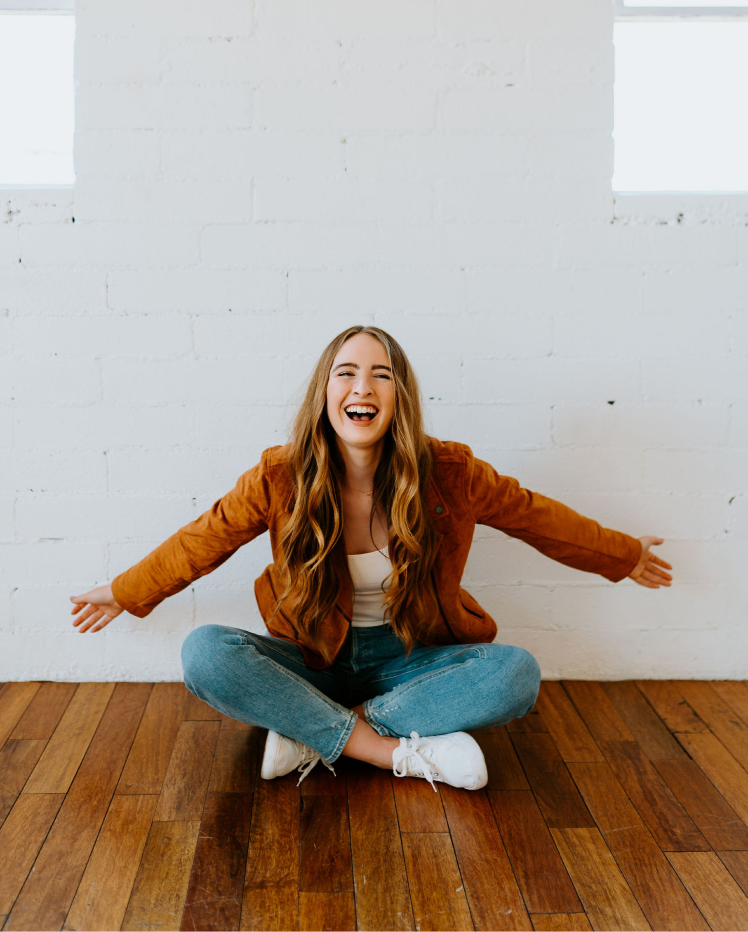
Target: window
x,y
36,93
681,80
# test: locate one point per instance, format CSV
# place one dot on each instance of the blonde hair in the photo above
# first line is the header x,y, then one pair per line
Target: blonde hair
x,y
312,550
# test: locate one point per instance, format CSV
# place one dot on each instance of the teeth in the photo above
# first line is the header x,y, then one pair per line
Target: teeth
x,y
361,409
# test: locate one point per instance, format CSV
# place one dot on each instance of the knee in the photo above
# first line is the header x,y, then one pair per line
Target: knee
x,y
519,680
200,650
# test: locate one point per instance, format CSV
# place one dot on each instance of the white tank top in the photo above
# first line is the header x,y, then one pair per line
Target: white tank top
x,y
369,572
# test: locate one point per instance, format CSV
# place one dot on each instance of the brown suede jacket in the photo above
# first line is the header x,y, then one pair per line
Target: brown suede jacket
x,y
464,491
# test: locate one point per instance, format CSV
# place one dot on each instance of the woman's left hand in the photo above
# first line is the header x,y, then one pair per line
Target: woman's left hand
x,y
647,571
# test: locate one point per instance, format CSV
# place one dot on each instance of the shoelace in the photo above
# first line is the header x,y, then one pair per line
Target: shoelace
x,y
401,755
306,767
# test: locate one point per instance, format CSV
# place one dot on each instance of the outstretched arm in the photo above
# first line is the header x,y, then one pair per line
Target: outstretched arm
x,y
650,570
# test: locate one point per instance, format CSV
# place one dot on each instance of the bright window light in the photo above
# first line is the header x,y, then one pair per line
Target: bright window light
x,y
36,98
680,105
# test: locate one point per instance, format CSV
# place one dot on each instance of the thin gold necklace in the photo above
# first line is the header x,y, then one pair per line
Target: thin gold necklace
x,y
360,491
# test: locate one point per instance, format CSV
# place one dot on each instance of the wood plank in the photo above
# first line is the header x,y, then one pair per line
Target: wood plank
x,y
48,892
322,782
151,751
549,777
540,872
21,836
331,911
64,752
737,863
710,811
324,845
561,922
608,901
672,708
195,710
667,820
17,760
271,887
714,891
504,769
597,711
642,721
160,888
490,884
44,712
101,899
735,694
419,808
573,740
188,775
379,875
214,894
648,873
235,761
721,768
530,724
14,700
718,716
436,888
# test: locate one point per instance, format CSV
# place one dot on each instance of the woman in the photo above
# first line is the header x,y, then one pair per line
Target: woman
x,y
372,638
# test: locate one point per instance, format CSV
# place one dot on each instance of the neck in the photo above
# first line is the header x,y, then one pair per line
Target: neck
x,y
361,464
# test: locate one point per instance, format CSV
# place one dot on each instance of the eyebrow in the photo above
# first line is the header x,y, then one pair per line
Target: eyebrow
x,y
354,365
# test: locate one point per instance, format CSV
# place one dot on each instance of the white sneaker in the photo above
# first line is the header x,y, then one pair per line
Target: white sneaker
x,y
455,759
282,755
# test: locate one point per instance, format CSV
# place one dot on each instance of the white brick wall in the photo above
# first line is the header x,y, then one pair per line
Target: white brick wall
x,y
251,178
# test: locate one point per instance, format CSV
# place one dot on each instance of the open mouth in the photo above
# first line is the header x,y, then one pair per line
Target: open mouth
x,y
361,413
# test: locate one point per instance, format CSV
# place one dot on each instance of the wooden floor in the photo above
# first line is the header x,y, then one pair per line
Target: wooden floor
x,y
610,806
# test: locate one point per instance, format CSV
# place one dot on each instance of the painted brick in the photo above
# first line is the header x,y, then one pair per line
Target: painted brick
x,y
196,291
102,244
637,426
377,291
251,153
343,201
564,381
53,471
118,155
98,428
342,19
36,383
154,336
273,245
363,109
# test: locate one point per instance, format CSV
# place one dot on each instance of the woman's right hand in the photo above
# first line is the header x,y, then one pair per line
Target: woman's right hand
x,y
99,607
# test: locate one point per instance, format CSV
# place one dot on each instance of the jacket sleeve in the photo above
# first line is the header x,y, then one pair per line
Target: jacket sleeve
x,y
199,547
549,526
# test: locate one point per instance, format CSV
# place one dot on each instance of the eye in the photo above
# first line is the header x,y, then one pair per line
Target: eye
x,y
345,373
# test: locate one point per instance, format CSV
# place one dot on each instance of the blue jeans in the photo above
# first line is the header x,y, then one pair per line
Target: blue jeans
x,y
436,690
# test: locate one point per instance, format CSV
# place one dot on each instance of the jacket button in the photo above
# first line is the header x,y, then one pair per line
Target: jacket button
x,y
438,509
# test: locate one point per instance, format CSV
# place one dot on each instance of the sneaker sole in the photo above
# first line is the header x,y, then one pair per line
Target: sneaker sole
x,y
270,756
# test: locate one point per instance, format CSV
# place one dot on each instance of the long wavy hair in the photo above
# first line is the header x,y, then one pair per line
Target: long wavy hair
x,y
312,551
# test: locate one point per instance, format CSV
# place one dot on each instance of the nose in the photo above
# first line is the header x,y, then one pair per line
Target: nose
x,y
362,385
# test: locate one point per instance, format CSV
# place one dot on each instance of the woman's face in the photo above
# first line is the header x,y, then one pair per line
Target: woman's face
x,y
361,392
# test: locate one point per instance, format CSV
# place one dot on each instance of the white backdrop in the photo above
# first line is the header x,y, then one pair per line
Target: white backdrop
x,y
252,178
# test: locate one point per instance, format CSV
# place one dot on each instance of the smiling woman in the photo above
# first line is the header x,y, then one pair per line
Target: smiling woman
x,y
373,643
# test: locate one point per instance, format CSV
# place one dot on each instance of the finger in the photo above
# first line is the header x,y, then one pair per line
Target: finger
x,y
89,610
656,580
657,571
102,624
641,581
658,561
91,621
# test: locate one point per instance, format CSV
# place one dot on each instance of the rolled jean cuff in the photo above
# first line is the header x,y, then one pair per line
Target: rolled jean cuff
x,y
342,741
380,729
